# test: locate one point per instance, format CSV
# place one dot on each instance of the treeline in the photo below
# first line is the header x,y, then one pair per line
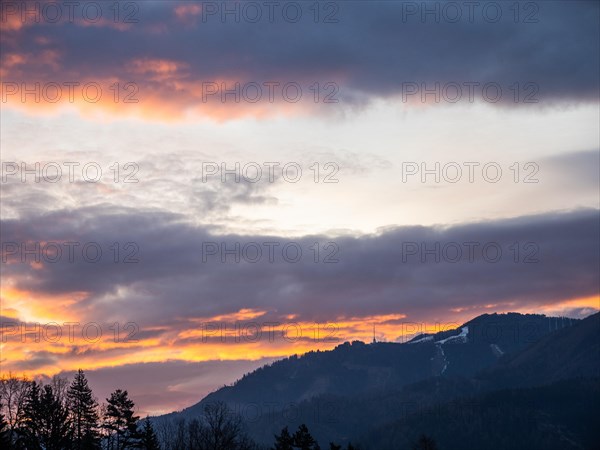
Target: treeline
x,y
66,416
63,416
218,428
302,440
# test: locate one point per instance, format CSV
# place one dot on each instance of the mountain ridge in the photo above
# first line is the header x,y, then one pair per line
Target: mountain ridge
x,y
330,390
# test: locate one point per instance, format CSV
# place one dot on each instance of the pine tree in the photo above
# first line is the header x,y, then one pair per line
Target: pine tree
x,y
284,441
83,410
5,441
46,423
303,440
29,430
148,438
56,428
121,422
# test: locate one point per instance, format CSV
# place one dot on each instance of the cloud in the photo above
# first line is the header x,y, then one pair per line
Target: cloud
x,y
579,168
417,271
370,52
178,182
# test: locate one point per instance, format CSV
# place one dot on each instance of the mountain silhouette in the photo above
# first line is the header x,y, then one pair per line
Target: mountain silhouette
x,y
357,391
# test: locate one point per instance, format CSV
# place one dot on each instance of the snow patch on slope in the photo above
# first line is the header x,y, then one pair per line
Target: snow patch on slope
x,y
464,332
423,339
445,360
497,350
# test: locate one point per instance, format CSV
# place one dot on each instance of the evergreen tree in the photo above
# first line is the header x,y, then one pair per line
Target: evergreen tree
x,y
284,441
56,428
333,446
425,443
148,438
46,425
83,410
29,430
121,422
5,441
303,440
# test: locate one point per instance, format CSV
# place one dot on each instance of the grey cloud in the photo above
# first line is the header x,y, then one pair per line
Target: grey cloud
x,y
557,260
369,52
577,170
36,360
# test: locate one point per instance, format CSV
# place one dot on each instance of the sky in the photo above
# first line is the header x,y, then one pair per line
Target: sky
x,y
191,190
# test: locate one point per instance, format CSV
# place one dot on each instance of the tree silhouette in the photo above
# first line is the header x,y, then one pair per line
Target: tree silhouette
x,y
303,440
13,392
223,430
218,428
334,446
31,423
195,434
5,441
148,438
121,422
83,410
46,424
61,416
425,443
284,441
56,428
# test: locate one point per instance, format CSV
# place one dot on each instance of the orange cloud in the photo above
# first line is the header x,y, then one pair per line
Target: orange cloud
x,y
105,23
158,66
47,342
13,59
111,99
30,306
11,21
151,89
47,334
558,309
187,13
